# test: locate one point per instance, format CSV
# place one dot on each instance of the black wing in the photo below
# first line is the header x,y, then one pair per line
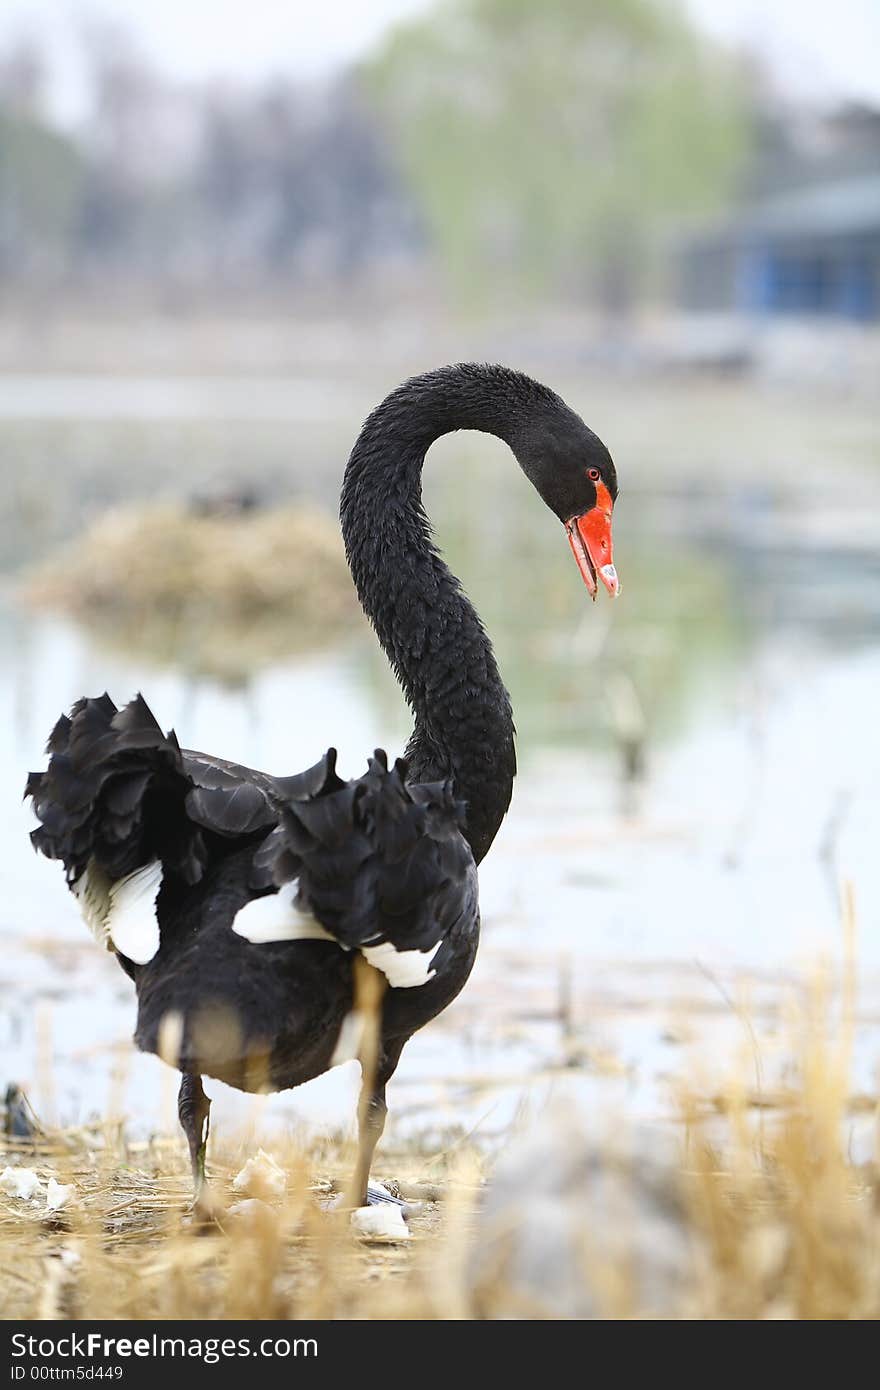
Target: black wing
x,y
121,792
376,860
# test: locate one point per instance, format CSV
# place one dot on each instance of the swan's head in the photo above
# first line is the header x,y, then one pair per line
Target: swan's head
x,y
575,476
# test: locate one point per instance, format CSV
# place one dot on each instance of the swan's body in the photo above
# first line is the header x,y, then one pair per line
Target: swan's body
x,y
240,903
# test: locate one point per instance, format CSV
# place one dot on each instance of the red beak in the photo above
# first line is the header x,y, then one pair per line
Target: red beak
x,y
589,536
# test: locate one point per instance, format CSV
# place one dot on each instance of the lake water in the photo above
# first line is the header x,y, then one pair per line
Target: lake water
x,y
626,920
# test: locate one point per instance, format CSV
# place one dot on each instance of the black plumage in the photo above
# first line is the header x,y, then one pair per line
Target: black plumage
x,y
383,866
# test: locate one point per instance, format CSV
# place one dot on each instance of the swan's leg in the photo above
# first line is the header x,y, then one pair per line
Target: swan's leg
x,y
194,1110
372,1110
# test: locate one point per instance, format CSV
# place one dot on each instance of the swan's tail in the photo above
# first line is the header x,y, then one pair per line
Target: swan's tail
x,y
111,807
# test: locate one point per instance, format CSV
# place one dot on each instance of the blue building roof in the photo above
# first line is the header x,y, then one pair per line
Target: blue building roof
x,y
810,250
846,208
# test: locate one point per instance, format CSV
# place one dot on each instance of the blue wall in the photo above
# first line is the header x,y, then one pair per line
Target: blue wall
x,y
841,281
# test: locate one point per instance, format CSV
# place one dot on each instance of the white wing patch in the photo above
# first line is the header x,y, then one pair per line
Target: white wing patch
x,y
277,918
92,892
402,969
132,923
122,915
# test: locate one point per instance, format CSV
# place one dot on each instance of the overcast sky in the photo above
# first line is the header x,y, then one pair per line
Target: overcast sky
x,y
818,47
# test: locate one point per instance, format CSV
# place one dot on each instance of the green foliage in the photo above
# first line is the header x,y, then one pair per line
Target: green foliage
x,y
547,142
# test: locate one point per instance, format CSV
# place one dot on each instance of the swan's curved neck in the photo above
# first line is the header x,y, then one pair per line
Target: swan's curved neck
x,y
431,633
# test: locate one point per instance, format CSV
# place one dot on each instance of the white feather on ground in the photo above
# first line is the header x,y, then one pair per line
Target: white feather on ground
x,y
383,1222
261,1177
59,1195
22,1183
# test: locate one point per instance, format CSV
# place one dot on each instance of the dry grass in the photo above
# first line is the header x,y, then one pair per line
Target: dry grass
x,y
788,1224
218,594
128,1248
778,1220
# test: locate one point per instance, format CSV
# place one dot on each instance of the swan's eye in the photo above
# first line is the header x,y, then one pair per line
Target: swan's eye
x,y
593,474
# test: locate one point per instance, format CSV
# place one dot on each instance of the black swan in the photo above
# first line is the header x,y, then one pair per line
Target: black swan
x,y
240,903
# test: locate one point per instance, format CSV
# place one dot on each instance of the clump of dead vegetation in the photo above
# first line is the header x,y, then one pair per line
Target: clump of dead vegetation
x,y
771,1218
788,1222
218,593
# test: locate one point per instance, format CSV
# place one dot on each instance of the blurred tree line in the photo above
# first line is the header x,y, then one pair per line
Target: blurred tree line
x,y
214,186
549,142
521,146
